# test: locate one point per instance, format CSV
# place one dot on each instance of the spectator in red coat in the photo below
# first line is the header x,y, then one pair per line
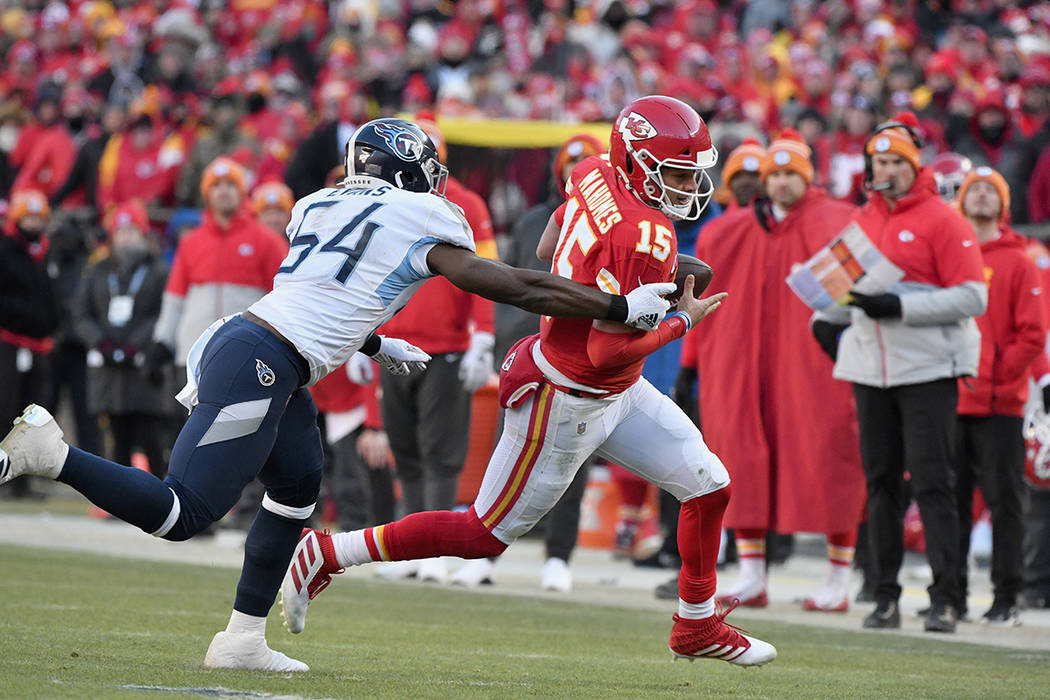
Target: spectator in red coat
x,y
221,267
811,481
45,151
132,167
991,405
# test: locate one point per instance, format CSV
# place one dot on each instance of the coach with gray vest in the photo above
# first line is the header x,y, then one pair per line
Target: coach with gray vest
x,y
903,350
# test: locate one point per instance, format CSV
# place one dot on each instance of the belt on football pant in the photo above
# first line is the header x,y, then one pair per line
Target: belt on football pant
x,y
249,316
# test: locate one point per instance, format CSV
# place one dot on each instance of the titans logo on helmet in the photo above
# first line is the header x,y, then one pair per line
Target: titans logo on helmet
x,y
405,145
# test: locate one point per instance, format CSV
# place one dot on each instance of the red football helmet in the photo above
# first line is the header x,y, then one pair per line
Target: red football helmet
x,y
657,131
949,170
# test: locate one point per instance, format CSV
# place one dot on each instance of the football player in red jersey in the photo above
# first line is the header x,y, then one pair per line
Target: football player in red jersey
x,y
576,389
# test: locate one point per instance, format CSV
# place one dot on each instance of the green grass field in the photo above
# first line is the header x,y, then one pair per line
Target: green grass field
x,y
90,626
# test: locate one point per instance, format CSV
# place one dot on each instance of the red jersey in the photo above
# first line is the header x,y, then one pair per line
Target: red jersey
x,y
609,240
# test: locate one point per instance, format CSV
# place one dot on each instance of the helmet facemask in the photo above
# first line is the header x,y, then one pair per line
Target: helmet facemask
x,y
437,175
662,194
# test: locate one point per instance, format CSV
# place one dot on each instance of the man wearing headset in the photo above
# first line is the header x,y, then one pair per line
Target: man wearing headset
x,y
903,350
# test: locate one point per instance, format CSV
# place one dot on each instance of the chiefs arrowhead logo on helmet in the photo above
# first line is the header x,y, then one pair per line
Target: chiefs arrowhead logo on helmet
x,y
404,144
657,132
635,127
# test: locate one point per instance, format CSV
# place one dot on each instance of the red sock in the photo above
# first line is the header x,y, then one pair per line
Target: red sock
x,y
437,533
841,546
699,530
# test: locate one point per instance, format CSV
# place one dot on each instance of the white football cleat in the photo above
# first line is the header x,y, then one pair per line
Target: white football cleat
x,y
714,638
433,570
248,651
309,572
555,576
34,446
474,573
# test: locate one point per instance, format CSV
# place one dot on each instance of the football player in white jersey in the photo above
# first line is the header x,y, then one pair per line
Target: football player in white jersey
x,y
358,252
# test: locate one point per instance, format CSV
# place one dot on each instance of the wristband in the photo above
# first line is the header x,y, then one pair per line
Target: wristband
x,y
617,309
371,345
685,317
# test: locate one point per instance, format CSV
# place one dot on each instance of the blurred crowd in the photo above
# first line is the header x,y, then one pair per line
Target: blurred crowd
x,y
104,102
126,124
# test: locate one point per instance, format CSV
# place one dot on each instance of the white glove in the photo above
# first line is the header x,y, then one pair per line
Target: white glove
x,y
400,357
646,306
359,368
476,366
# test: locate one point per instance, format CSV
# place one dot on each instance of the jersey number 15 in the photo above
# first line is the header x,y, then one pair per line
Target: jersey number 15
x,y
654,240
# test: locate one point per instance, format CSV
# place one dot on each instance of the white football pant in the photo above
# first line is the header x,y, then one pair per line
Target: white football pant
x,y
548,437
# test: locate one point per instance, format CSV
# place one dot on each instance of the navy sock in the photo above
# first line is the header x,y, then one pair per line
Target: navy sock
x,y
134,496
267,552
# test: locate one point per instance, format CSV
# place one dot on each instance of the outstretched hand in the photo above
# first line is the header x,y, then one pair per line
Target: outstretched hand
x,y
698,308
399,357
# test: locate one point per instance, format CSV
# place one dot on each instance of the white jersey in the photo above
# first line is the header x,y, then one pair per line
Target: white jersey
x,y
358,253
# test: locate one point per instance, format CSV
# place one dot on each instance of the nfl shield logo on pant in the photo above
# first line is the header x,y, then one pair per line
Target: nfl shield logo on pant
x,y
581,428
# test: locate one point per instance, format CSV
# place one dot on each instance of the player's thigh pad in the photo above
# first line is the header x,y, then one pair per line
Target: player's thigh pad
x,y
653,438
247,377
544,442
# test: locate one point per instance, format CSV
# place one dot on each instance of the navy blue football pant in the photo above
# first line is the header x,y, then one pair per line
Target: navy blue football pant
x,y
253,419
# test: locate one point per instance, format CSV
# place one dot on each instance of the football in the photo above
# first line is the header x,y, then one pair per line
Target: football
x,y
688,265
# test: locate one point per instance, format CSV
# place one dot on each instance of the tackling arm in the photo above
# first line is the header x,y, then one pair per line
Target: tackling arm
x,y
544,293
538,292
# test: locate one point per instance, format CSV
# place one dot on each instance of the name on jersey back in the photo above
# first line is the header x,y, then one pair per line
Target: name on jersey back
x,y
600,201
